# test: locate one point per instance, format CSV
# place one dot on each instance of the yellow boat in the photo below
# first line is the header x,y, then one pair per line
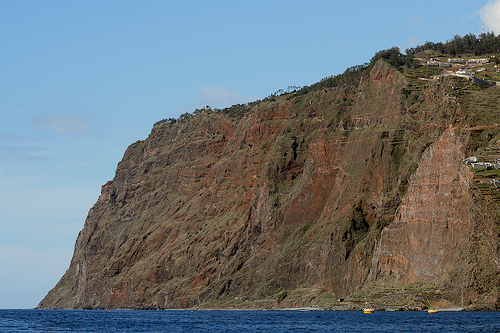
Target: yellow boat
x,y
432,311
368,310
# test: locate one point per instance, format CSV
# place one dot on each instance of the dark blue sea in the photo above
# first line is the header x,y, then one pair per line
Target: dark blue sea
x,y
244,321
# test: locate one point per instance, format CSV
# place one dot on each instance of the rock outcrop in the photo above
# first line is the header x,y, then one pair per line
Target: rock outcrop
x,y
433,218
304,198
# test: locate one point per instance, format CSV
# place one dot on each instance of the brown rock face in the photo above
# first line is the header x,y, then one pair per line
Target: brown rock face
x,y
434,215
303,198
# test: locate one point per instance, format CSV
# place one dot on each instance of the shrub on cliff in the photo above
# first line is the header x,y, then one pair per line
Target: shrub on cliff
x,y
352,76
396,59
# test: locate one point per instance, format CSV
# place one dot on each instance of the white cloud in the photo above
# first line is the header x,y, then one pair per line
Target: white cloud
x,y
490,15
7,137
219,97
21,153
413,41
417,21
20,148
67,124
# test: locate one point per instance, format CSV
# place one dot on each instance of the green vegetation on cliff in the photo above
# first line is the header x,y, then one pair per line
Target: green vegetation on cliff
x,y
486,43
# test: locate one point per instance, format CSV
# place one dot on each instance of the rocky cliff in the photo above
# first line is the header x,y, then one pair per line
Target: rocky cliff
x,y
302,199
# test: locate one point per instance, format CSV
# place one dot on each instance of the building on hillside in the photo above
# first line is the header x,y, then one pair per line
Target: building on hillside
x,y
456,61
479,166
472,159
432,62
437,63
477,61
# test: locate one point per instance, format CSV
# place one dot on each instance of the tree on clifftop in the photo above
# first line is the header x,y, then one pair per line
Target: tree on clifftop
x,y
395,58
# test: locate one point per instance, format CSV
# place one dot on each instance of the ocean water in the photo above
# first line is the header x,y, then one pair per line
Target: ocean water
x,y
244,321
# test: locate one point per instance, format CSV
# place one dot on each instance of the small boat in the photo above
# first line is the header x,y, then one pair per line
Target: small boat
x,y
368,310
432,311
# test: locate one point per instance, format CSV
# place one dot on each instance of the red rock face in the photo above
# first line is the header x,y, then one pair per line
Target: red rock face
x,y
434,216
325,191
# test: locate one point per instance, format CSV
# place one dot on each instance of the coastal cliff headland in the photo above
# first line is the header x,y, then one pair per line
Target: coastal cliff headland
x,y
349,192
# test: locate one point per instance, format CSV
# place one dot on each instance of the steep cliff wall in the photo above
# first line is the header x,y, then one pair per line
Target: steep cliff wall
x,y
304,199
434,216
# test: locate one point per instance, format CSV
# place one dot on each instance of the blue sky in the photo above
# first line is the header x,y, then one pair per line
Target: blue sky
x,y
81,80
